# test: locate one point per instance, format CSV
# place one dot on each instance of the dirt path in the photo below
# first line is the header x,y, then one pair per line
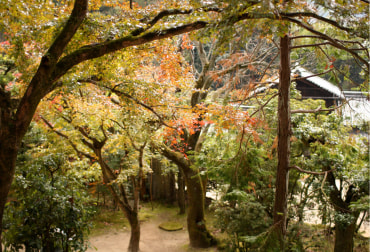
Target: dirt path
x,y
152,239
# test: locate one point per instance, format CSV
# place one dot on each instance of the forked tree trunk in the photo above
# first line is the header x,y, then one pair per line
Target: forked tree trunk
x,y
199,235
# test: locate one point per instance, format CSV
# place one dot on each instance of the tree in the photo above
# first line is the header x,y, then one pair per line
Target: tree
x,y
331,147
187,139
97,129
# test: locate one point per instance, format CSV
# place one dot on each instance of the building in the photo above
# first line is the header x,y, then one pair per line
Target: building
x,y
353,105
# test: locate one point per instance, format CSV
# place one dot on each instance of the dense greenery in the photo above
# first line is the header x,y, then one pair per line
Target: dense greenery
x,y
50,208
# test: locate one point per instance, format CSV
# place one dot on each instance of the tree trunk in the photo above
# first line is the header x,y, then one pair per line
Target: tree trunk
x,y
171,198
344,236
344,232
156,182
163,185
181,192
135,232
284,132
8,155
6,178
199,235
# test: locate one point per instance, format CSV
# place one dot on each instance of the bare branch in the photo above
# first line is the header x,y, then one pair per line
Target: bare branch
x,y
333,41
310,45
304,78
319,109
143,105
262,106
74,146
318,17
310,172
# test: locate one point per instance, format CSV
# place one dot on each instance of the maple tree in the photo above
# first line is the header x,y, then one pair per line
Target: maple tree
x,y
105,119
96,128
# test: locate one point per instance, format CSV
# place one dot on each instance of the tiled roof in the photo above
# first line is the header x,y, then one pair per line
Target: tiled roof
x,y
319,81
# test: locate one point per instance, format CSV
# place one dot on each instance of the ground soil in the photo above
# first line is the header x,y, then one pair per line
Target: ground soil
x,y
152,239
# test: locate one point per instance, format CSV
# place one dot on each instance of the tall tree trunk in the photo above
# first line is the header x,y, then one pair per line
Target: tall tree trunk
x,y
10,139
157,179
284,132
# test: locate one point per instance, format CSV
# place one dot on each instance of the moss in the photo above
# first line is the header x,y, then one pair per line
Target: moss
x,y
171,226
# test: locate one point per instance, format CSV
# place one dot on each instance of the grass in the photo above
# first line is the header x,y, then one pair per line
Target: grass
x,y
108,220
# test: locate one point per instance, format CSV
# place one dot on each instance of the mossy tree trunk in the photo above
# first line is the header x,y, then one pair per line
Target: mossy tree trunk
x,y
199,235
344,236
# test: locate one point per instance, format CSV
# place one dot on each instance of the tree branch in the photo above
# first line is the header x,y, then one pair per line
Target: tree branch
x,y
177,157
318,17
319,109
141,104
97,50
74,146
311,45
326,37
73,23
304,78
310,172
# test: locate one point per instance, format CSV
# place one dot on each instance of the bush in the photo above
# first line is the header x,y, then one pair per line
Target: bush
x,y
49,210
243,218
